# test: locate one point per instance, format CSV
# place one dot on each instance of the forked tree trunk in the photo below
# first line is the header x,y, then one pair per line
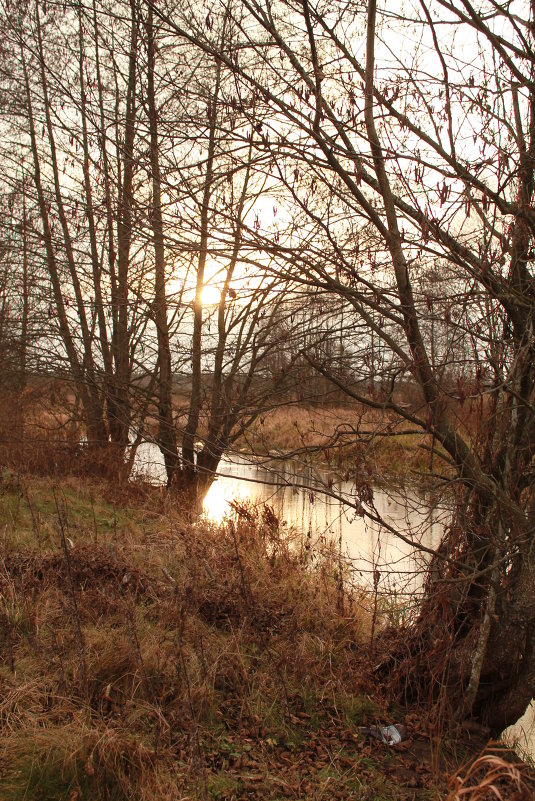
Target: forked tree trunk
x,y
194,412
472,648
473,645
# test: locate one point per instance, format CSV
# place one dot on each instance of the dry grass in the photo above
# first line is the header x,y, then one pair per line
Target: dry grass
x,y
148,657
139,657
490,776
41,433
344,439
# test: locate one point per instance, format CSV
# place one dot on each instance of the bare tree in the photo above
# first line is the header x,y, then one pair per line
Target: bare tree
x,y
426,159
166,428
146,178
209,184
85,197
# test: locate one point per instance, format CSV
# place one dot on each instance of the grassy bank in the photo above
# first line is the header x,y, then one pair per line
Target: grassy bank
x,y
148,656
347,439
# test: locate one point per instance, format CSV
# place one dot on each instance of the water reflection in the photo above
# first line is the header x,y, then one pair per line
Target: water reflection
x,y
222,493
369,547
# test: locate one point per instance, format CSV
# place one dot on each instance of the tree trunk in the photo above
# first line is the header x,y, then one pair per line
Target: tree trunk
x,y
121,396
167,440
192,424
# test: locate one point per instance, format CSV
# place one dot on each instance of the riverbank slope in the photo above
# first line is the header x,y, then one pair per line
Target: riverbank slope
x,y
347,439
149,655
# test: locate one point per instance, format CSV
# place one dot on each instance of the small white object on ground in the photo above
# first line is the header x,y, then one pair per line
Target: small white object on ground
x,y
389,735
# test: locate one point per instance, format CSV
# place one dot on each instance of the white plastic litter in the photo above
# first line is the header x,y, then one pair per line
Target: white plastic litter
x,y
389,735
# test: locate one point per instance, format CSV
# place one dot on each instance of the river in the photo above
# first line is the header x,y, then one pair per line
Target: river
x,y
295,495
371,550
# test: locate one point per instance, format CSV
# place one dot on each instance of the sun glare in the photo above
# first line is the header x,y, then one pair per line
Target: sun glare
x,y
216,503
210,295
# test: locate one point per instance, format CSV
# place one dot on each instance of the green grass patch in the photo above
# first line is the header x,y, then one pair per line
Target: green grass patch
x,y
53,778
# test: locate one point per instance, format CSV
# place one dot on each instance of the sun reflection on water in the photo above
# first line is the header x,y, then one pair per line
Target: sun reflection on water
x,y
216,503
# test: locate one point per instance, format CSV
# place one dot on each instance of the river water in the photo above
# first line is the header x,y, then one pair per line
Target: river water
x,y
295,495
372,551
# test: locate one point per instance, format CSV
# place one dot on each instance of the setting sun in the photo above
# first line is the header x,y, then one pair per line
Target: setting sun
x,y
210,295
